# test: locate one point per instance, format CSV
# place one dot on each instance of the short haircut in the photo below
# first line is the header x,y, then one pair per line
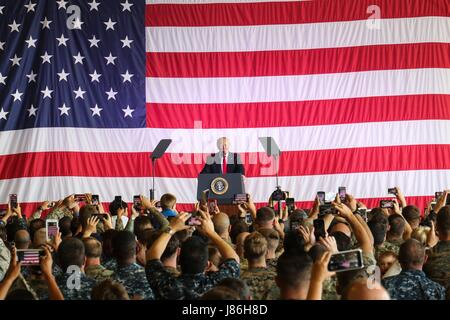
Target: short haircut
x,y
237,228
172,245
107,247
64,225
293,243
221,222
114,206
124,245
109,290
92,247
74,224
378,230
237,285
86,212
140,224
411,253
272,237
411,213
346,278
220,293
343,241
255,246
443,220
193,256
387,254
397,225
22,239
168,201
214,255
294,270
378,215
265,215
35,225
71,252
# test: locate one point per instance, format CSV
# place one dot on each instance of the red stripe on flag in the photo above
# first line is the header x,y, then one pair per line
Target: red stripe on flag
x,y
297,62
292,163
266,13
299,113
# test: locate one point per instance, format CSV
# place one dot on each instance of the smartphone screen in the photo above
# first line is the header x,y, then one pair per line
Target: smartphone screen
x,y
95,199
194,220
52,228
13,200
248,218
29,257
158,204
346,260
80,197
290,204
319,229
240,198
392,191
321,196
362,213
438,194
342,193
386,204
137,203
212,204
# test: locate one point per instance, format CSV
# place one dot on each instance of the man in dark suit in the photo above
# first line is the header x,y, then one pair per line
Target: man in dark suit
x,y
223,161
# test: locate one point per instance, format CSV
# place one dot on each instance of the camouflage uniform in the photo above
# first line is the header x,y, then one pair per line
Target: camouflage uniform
x,y
329,289
260,281
59,213
174,271
5,259
272,264
437,266
244,264
385,247
134,280
413,285
186,286
110,264
98,272
84,292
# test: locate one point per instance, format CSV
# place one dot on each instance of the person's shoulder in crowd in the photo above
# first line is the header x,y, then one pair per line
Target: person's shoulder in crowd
x,y
59,213
72,289
413,285
387,246
98,272
260,281
134,280
437,266
5,258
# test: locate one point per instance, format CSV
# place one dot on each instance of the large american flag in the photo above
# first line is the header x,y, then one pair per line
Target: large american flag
x,y
356,94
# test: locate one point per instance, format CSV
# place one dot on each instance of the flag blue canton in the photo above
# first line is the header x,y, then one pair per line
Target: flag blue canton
x,y
61,69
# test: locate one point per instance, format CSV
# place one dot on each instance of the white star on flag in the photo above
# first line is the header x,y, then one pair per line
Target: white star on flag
x,y
3,114
127,77
31,77
94,5
2,45
79,93
95,76
17,95
126,42
2,79
46,58
61,4
64,110
62,40
77,24
94,42
110,24
63,75
128,112
31,42
47,93
126,6
96,111
15,60
110,59
45,23
32,111
78,58
30,6
111,94
14,26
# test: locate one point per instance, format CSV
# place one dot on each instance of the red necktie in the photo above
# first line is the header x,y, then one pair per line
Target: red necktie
x,y
224,165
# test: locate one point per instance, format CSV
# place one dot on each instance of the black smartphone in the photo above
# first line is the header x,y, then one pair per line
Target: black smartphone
x,y
13,200
362,213
438,195
158,204
346,260
321,197
342,191
393,191
29,257
95,199
137,203
290,204
100,216
319,229
118,199
386,204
